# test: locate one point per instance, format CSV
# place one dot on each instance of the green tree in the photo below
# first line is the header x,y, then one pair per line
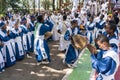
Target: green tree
x,y
25,5
14,4
3,6
46,4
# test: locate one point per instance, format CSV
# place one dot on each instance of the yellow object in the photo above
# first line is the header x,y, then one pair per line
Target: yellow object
x,y
81,26
110,15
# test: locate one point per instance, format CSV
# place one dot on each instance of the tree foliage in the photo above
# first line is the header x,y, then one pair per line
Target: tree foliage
x,y
15,5
3,6
46,4
27,5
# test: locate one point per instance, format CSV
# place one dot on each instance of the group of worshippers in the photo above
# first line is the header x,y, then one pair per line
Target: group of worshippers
x,y
100,29
16,39
105,54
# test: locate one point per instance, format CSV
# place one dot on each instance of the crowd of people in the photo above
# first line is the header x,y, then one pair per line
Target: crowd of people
x,y
22,35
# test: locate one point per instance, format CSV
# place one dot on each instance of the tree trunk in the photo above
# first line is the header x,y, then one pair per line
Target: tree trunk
x,y
34,6
39,5
45,6
1,6
60,3
53,5
28,6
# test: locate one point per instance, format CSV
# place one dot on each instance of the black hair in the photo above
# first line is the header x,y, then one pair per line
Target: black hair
x,y
111,21
64,17
112,25
92,17
3,18
74,21
102,16
102,39
115,14
116,19
40,18
76,15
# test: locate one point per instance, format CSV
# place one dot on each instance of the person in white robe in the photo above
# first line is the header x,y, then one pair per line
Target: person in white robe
x,y
55,20
75,5
62,29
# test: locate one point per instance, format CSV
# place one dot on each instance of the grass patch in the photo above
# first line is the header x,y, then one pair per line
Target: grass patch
x,y
82,72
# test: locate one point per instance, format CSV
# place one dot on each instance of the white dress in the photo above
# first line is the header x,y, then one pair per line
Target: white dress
x,y
55,36
63,43
75,5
